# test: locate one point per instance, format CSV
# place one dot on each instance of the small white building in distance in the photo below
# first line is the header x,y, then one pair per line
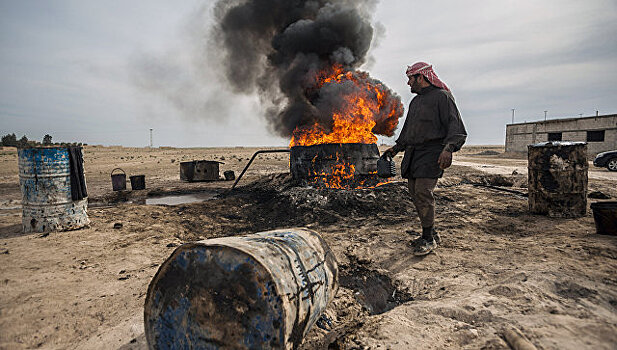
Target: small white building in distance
x,y
600,133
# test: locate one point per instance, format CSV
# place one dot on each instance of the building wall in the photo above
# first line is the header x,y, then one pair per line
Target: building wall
x,y
519,136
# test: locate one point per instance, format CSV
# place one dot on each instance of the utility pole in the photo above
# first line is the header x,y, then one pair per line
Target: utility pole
x,y
545,115
512,115
150,137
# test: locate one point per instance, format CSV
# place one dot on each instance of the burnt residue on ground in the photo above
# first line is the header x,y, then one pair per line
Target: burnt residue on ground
x,y
277,200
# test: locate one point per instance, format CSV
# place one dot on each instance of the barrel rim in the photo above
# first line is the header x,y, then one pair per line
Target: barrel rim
x,y
21,148
557,144
340,144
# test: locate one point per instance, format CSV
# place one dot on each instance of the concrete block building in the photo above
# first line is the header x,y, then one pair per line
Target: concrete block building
x,y
600,133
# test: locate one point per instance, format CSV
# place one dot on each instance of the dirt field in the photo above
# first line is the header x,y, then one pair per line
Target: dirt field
x,y
498,268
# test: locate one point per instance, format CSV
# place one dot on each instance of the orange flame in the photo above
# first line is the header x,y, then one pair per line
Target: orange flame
x,y
358,115
372,108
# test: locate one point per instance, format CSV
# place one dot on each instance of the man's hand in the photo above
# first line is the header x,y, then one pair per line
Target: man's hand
x,y
445,160
390,151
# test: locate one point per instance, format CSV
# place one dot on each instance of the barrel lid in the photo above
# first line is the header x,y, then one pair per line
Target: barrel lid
x,y
558,144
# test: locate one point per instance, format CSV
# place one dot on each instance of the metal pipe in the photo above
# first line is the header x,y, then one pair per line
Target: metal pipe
x,y
253,158
260,291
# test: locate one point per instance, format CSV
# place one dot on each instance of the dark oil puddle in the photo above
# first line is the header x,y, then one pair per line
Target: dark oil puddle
x,y
374,290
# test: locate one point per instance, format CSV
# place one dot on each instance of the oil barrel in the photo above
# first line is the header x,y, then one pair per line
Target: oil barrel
x,y
260,291
45,181
558,179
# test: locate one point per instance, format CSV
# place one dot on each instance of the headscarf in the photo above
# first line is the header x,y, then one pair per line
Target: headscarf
x,y
427,71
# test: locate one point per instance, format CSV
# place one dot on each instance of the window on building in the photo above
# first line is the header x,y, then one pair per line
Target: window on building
x,y
554,136
595,136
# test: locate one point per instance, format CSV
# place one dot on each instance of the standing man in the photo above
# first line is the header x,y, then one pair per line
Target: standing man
x,y
433,130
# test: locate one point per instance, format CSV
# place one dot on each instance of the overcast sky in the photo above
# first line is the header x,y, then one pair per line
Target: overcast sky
x,y
70,68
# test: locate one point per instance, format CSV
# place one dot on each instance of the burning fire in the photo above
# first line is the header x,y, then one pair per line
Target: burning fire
x,y
342,176
367,108
370,108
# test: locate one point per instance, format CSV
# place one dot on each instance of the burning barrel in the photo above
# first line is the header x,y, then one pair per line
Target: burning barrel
x,y
558,178
259,291
339,165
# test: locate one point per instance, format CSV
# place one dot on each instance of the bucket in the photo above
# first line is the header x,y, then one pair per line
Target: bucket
x,y
229,175
605,217
118,181
138,182
45,181
261,291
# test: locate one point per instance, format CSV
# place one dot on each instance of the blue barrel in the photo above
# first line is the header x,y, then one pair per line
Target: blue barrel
x,y
261,291
44,178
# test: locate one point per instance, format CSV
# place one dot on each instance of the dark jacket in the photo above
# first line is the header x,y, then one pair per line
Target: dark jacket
x,y
433,124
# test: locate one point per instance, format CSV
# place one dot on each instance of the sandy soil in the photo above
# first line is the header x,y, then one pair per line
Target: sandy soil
x,y
498,268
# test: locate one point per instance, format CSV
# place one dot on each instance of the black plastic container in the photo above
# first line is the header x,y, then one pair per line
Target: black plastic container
x,y
138,182
385,166
605,217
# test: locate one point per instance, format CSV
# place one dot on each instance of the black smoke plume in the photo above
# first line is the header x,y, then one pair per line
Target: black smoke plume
x,y
279,48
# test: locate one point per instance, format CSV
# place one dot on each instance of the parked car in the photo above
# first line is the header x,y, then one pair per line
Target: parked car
x,y
606,160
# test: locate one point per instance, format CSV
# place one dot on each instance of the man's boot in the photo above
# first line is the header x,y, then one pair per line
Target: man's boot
x,y
435,236
424,247
427,242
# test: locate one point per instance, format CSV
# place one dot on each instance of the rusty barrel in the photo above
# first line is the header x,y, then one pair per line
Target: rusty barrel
x,y
353,164
199,170
310,161
558,178
45,181
260,291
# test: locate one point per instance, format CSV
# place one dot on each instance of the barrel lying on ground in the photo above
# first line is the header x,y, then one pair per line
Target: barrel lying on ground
x,y
261,291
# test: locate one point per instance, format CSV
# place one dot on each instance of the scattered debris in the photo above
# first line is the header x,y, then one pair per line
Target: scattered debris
x,y
487,153
517,340
519,193
324,322
598,195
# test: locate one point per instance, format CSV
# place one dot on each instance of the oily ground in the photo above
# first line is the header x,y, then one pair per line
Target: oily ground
x,y
498,269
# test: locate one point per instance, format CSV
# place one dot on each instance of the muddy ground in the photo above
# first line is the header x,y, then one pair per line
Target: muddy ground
x,y
498,268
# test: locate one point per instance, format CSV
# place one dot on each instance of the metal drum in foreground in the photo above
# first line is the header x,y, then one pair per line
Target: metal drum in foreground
x,y
261,291
558,178
45,181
